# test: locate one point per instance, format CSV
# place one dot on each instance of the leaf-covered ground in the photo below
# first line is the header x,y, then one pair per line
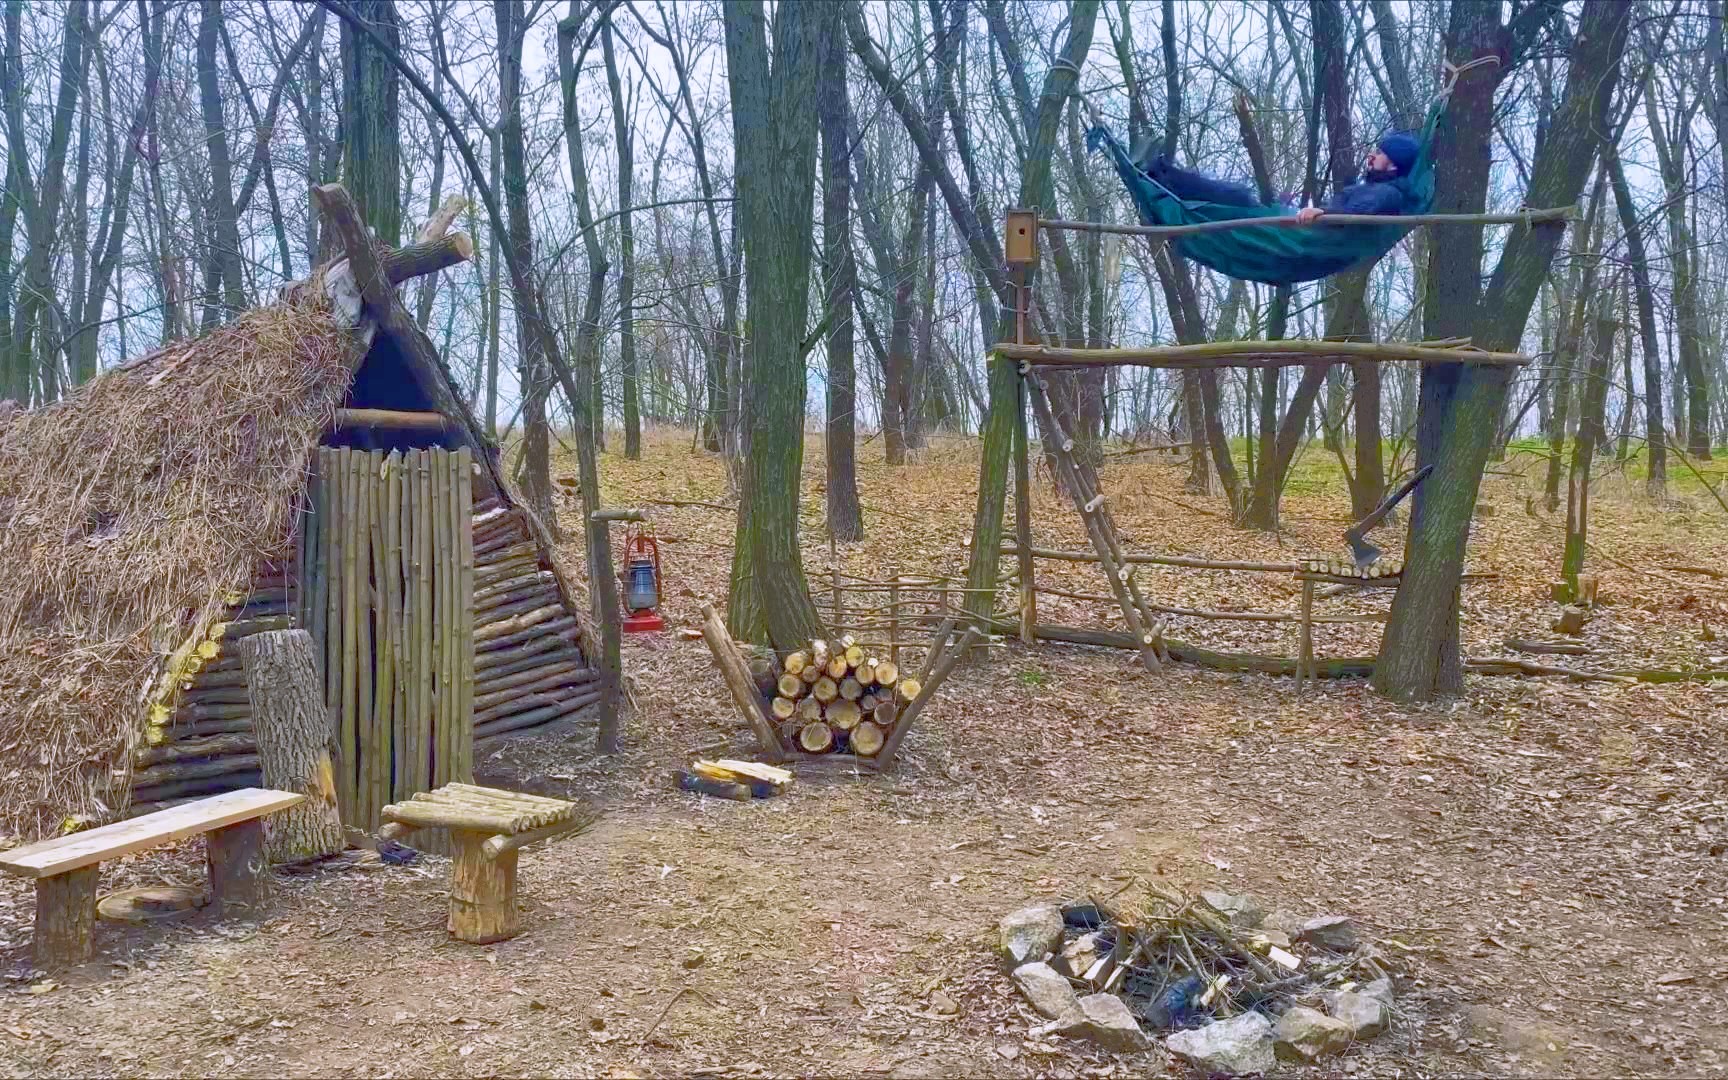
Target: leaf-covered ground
x,y
1542,859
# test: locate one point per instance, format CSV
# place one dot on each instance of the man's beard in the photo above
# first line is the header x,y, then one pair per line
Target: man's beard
x,y
1379,176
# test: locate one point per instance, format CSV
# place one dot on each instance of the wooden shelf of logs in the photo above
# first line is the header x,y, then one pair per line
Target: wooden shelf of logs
x,y
487,826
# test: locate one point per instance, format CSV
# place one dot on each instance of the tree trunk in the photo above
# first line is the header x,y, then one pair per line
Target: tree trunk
x,y
223,269
1592,432
292,729
1682,255
371,130
845,517
1461,405
626,252
1655,430
776,160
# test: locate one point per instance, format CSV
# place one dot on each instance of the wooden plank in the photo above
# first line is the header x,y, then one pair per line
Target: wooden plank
x,y
434,422
57,856
461,502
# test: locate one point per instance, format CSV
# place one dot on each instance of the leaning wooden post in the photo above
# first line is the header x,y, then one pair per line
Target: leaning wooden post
x,y
292,728
949,659
738,681
1305,642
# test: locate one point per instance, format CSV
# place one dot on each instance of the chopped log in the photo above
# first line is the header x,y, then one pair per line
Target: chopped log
x,y
521,702
188,729
171,772
567,668
179,789
737,679
402,420
867,702
816,737
523,616
866,673
1571,621
851,689
842,714
543,717
762,673
783,708
867,739
887,673
428,257
796,662
819,654
885,714
809,709
66,918
566,676
186,749
837,667
1555,648
789,731
482,890
292,728
854,655
546,629
498,845
495,662
811,673
825,690
703,785
791,686
907,690
239,869
433,815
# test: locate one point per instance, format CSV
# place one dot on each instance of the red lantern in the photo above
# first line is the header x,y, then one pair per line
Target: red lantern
x,y
641,582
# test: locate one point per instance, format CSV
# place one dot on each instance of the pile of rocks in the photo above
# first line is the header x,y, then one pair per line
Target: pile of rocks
x,y
1228,987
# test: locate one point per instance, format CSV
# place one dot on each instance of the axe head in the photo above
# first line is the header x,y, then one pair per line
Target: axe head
x,y
1366,554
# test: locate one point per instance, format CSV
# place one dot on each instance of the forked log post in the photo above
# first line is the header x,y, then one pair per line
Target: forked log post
x,y
739,682
292,729
949,659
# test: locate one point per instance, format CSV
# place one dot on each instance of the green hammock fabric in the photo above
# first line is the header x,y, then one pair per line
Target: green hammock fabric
x,y
1275,254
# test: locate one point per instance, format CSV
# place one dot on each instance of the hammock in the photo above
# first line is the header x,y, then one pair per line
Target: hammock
x,y
1275,254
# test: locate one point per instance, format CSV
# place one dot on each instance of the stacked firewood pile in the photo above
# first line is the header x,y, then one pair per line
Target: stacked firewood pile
x,y
1379,568
833,697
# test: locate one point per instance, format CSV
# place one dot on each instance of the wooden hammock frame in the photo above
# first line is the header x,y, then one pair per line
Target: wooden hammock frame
x,y
1145,620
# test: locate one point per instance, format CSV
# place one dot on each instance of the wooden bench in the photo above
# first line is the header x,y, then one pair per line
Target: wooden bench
x,y
67,868
487,826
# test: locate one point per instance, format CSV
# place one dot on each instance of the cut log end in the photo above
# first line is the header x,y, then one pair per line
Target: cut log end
x,y
854,655
907,690
791,686
867,739
843,714
825,690
884,715
784,708
887,673
797,662
809,709
851,689
816,737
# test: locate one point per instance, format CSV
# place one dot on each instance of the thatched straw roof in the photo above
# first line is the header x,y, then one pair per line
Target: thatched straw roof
x,y
127,511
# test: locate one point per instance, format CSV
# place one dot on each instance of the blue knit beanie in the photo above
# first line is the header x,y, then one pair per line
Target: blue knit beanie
x,y
1403,149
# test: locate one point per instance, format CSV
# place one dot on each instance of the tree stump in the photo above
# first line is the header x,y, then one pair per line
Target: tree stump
x,y
65,918
482,891
292,728
239,869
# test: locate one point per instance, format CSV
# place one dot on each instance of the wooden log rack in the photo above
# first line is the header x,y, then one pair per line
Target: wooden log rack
x,y
487,827
940,659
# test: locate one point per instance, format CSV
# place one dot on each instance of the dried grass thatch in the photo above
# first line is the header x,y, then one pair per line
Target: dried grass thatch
x,y
127,511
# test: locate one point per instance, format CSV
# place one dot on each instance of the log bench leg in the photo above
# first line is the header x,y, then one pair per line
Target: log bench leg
x,y
65,918
482,891
239,869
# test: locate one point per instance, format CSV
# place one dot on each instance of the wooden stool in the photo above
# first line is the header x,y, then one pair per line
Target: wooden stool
x,y
486,827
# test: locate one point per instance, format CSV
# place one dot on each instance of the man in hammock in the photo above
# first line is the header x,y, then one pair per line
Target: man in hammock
x,y
1391,158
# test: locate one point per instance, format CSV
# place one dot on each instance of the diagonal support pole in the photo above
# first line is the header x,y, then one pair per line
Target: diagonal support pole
x,y
1098,525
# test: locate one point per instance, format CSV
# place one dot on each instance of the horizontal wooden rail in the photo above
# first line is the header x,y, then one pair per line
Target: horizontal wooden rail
x,y
347,419
1216,354
1290,221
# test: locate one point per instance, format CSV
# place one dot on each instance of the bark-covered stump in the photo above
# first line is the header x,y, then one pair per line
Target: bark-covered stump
x,y
65,918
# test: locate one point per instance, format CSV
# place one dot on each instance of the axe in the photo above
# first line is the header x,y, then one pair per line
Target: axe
x,y
1365,552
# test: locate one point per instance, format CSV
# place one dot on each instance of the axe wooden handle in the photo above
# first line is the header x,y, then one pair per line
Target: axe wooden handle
x,y
1358,530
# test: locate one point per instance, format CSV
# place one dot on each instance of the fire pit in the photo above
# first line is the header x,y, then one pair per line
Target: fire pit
x,y
1228,986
